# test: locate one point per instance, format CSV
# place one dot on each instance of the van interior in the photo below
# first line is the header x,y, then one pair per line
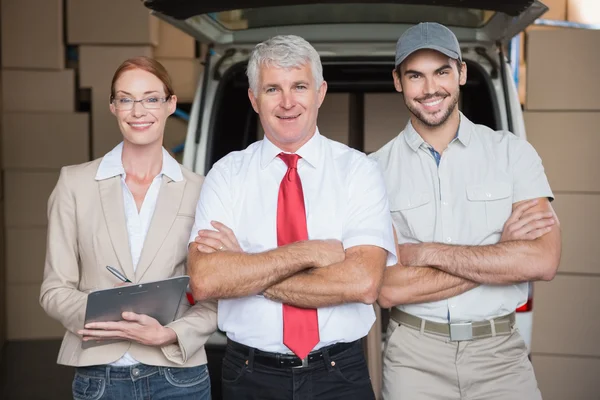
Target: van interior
x,y
359,80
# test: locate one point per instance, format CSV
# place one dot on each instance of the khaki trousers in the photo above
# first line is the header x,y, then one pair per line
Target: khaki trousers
x,y
423,366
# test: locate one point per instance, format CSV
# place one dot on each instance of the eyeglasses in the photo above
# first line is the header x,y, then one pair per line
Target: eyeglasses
x,y
149,103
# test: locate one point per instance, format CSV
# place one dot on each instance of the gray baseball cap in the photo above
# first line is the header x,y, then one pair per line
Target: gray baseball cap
x,y
427,35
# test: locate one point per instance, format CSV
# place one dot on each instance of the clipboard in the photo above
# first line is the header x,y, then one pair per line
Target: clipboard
x,y
159,300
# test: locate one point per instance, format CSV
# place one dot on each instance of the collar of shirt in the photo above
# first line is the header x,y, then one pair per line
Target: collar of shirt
x,y
310,151
414,140
112,165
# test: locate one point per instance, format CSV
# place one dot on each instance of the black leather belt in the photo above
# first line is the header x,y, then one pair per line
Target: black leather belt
x,y
279,360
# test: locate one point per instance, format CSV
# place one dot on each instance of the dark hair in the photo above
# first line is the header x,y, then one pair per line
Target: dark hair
x,y
145,64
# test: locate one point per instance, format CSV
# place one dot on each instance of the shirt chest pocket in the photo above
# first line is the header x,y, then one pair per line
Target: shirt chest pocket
x,y
490,204
414,215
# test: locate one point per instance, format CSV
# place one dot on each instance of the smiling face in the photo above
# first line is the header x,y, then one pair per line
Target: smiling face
x,y
141,126
431,84
288,103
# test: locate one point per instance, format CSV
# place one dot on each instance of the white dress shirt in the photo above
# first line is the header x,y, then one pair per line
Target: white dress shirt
x,y
465,201
345,199
137,223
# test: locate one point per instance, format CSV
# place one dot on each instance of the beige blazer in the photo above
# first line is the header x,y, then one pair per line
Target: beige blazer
x,y
87,231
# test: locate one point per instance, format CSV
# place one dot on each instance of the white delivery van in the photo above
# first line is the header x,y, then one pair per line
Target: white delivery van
x,y
356,41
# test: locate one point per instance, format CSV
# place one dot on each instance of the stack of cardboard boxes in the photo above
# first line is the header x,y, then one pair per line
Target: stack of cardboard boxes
x,y
577,11
42,129
177,52
562,119
557,12
110,31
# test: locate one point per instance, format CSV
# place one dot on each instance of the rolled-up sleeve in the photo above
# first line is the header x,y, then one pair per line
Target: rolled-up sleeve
x,y
530,179
368,221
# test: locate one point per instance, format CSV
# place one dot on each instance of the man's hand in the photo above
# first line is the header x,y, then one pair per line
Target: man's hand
x,y
136,327
223,239
527,226
519,226
330,252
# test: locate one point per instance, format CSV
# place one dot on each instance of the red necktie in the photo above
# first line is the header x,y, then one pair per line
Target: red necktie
x,y
300,325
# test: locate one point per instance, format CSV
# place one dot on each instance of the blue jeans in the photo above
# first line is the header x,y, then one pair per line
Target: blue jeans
x,y
141,381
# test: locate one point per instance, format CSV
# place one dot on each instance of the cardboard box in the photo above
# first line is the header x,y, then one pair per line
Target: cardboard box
x,y
97,64
174,43
237,25
386,116
580,250
575,299
231,15
27,90
567,142
561,377
26,196
184,75
25,255
522,47
584,11
333,117
44,140
110,22
105,129
175,135
26,318
32,34
561,70
557,10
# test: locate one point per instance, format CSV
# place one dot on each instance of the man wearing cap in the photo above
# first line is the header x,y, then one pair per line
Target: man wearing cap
x,y
471,208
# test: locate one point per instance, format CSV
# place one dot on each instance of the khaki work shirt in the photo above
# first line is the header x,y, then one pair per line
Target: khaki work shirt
x,y
465,200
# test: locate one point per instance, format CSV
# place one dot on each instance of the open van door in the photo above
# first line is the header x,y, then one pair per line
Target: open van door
x,y
370,27
210,22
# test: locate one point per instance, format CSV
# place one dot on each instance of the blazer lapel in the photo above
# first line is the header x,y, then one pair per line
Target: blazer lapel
x,y
111,197
167,207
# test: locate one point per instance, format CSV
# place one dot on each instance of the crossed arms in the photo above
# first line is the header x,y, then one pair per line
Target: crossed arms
x,y
529,250
318,273
310,274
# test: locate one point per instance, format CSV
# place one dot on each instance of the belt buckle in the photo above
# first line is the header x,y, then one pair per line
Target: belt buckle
x,y
461,331
304,363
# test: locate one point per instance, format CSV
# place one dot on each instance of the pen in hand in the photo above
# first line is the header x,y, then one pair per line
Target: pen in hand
x,y
118,274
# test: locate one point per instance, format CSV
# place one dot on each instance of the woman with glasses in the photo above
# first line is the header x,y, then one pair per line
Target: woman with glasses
x,y
132,210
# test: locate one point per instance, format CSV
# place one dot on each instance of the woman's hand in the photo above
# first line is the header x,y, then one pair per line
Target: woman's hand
x,y
223,239
136,327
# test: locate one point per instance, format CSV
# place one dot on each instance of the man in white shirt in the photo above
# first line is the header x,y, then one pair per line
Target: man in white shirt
x,y
303,235
474,223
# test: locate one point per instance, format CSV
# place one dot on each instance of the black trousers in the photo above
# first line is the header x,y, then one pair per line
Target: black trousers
x,y
340,376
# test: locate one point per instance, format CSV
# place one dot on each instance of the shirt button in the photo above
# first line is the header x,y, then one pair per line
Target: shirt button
x,y
444,203
488,195
453,305
135,372
448,239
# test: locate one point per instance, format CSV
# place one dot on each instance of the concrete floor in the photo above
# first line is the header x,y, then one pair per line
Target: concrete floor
x,y
28,371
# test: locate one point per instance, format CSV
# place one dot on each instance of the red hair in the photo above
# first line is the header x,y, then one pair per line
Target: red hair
x,y
145,64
